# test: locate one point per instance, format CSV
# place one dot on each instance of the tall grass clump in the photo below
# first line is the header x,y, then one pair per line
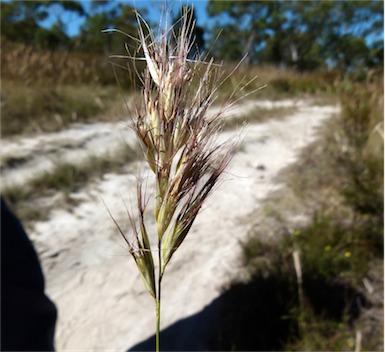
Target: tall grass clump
x,y
27,64
362,157
179,141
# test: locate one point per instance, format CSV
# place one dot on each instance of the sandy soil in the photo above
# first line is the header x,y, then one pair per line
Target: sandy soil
x,y
101,299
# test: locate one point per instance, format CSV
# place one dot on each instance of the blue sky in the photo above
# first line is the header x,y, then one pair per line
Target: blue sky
x,y
153,7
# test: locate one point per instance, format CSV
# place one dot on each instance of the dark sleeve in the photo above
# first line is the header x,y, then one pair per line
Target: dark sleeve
x,y
27,315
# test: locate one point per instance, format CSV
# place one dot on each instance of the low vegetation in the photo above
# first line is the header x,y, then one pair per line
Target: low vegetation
x,y
330,216
45,91
64,179
33,66
257,115
46,108
282,83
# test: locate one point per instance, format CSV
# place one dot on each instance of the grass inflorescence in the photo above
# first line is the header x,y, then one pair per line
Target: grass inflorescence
x,y
178,138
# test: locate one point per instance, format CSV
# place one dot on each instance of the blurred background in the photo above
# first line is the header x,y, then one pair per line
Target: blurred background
x,y
56,72
303,46
55,44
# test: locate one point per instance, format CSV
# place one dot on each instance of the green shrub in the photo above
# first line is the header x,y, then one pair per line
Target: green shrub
x,y
330,249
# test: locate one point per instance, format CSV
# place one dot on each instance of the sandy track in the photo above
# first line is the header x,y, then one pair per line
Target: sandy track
x,y
23,158
101,300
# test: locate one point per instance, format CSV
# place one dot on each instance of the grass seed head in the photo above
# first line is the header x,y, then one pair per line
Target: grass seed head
x,y
178,138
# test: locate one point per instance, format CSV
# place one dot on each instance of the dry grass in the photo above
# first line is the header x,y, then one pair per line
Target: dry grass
x,y
31,66
45,91
47,107
281,83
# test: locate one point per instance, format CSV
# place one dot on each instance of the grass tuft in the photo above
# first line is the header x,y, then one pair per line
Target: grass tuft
x,y
64,179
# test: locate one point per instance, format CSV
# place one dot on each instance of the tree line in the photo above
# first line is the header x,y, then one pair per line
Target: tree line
x,y
302,34
306,35
21,21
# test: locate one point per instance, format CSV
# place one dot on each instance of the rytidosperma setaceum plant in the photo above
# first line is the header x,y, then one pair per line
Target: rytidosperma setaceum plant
x,y
178,137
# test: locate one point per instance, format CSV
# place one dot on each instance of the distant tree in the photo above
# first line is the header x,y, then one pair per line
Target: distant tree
x,y
52,38
19,19
20,22
342,29
241,24
108,15
302,34
91,38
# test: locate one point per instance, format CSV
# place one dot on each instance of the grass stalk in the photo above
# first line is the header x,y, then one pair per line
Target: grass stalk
x,y
178,138
157,343
158,298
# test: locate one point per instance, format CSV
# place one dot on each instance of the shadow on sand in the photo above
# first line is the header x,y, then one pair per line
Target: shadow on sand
x,y
256,316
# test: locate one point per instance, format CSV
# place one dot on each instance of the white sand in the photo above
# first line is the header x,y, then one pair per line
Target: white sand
x,y
101,299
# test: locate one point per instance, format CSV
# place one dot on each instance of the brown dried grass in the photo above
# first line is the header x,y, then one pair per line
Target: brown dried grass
x,y
23,63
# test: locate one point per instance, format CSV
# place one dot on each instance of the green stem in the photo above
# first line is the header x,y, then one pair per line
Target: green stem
x,y
158,297
157,323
